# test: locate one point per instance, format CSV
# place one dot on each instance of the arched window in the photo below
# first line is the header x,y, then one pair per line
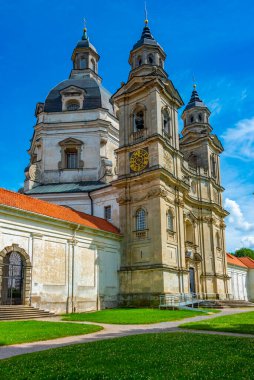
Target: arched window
x,y
12,279
140,220
139,120
170,220
189,231
72,105
165,122
82,63
191,119
139,60
150,59
200,117
93,65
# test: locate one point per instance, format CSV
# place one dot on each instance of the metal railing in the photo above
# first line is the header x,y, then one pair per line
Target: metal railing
x,y
182,300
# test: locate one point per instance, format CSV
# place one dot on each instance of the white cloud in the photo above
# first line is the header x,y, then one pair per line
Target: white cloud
x,y
239,141
248,241
244,94
215,106
236,216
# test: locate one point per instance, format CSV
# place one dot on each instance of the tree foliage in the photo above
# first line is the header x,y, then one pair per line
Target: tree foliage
x,y
243,252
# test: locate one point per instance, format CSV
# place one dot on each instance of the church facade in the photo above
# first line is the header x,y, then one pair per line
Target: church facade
x,y
121,158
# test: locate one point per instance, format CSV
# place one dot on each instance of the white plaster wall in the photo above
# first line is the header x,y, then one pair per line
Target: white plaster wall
x,y
250,284
238,282
65,264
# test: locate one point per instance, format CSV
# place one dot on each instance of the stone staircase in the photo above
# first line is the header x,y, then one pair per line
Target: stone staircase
x,y
222,304
19,312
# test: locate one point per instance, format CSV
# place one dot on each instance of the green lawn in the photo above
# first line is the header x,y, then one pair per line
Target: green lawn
x,y
150,356
31,331
239,323
132,316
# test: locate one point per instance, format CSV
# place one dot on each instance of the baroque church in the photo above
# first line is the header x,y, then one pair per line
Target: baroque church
x,y
117,208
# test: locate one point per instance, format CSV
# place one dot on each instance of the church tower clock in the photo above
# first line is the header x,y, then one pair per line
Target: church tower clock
x,y
149,182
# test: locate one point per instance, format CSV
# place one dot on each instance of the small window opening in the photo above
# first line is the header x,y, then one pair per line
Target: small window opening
x,y
93,65
139,60
150,59
139,120
83,63
166,121
73,106
71,159
107,212
140,220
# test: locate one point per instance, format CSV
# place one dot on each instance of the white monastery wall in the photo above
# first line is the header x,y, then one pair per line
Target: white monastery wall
x,y
73,268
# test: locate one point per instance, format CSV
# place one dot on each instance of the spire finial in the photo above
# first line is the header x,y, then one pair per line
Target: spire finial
x,y
194,82
146,17
84,37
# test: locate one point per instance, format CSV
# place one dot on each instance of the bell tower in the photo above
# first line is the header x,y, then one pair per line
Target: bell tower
x,y
199,146
149,182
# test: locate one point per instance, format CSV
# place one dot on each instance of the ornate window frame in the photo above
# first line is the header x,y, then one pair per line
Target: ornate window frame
x,y
68,144
73,95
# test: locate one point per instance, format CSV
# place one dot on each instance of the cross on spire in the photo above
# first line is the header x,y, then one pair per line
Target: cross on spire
x,y
146,16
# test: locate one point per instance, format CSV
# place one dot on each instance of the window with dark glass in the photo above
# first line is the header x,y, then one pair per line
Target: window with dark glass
x,y
139,120
71,159
73,106
150,59
107,212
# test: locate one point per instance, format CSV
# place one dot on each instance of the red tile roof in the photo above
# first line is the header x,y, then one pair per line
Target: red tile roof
x,y
231,259
247,261
26,203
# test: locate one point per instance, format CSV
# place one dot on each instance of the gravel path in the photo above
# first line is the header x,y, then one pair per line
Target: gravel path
x,y
115,331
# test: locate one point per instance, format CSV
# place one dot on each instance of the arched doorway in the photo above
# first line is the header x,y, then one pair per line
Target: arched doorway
x,y
15,276
12,279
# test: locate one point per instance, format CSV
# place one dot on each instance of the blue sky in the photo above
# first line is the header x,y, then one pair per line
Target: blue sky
x,y
212,39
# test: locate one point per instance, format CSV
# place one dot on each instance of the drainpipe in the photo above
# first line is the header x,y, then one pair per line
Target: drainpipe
x,y
91,199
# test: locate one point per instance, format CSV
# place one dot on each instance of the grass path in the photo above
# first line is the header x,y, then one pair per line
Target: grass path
x,y
30,331
134,316
238,323
147,356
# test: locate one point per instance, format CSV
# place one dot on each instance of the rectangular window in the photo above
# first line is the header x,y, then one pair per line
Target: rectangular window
x,y
107,212
72,160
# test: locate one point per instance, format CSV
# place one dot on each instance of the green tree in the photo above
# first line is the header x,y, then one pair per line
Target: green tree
x,y
242,252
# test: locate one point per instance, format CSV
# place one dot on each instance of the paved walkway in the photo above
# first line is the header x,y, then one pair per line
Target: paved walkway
x,y
115,331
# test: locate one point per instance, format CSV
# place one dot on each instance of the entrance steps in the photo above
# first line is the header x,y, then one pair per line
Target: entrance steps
x,y
19,312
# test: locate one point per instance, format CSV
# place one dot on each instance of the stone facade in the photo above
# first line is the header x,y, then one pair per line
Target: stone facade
x,y
91,152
